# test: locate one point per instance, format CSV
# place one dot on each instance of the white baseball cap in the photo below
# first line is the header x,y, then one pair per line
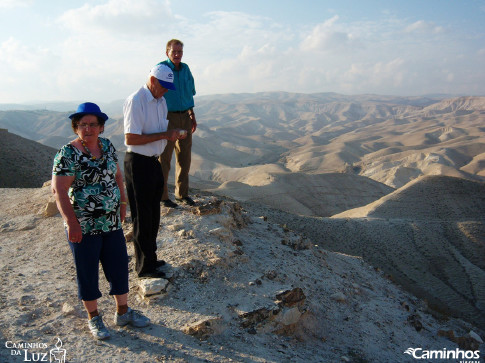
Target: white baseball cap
x,y
164,75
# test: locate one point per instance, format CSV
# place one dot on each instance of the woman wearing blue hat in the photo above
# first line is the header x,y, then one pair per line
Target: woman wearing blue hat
x,y
88,186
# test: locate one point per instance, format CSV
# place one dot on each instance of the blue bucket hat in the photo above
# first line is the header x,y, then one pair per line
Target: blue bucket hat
x,y
89,108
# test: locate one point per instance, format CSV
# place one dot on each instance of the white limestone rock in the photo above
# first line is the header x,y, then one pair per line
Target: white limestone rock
x,y
150,287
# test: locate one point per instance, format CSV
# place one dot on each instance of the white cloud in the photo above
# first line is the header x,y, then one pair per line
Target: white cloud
x,y
111,47
325,37
422,26
26,71
120,16
16,56
225,34
106,51
391,74
9,4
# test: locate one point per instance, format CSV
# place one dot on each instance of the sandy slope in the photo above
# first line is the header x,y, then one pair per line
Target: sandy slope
x,y
428,235
308,194
227,268
428,198
23,163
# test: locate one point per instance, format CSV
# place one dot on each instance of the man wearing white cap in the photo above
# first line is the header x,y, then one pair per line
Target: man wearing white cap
x,y
146,135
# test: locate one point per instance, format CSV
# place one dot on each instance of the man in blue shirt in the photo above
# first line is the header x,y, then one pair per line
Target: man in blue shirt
x,y
181,115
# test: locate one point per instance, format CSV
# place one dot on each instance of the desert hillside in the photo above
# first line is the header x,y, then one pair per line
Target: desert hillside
x,y
239,288
306,194
389,140
428,198
23,162
429,236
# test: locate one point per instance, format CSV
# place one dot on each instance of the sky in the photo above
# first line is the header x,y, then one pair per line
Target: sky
x,y
103,50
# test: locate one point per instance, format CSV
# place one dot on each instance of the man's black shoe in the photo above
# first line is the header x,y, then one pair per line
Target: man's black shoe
x,y
186,200
153,275
160,263
169,204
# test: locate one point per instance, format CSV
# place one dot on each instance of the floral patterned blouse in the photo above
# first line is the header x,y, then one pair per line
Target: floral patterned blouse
x,y
94,193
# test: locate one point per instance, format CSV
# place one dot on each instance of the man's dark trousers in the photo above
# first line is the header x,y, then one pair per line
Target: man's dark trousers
x,y
144,185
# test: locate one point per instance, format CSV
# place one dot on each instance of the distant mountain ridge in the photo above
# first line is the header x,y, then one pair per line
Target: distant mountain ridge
x,y
460,103
60,106
391,140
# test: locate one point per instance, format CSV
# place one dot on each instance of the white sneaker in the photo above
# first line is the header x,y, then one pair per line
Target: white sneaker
x,y
98,329
132,317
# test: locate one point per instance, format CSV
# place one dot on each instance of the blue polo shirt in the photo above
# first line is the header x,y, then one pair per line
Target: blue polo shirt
x,y
182,98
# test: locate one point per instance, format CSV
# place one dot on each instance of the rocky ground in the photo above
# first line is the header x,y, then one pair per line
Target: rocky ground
x,y
239,288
